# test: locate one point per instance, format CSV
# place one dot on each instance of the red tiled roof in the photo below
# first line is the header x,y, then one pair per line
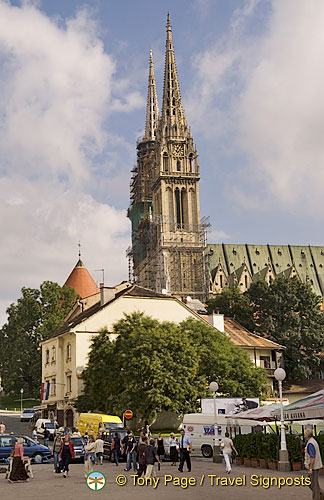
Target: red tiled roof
x,y
242,337
81,280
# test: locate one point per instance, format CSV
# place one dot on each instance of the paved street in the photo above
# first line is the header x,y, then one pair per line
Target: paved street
x,y
49,486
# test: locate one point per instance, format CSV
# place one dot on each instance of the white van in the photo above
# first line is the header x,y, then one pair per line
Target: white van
x,y
200,427
45,423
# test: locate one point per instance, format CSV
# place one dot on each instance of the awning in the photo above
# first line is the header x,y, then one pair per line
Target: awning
x,y
261,414
310,407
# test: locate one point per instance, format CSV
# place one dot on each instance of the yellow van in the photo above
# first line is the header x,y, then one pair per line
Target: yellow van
x,y
92,422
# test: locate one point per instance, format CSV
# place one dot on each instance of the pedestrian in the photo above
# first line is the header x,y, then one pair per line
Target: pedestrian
x,y
2,428
142,457
76,432
131,453
57,445
66,454
160,448
313,463
147,431
46,436
35,435
228,446
18,470
90,456
174,446
124,443
150,457
99,449
115,447
185,450
85,438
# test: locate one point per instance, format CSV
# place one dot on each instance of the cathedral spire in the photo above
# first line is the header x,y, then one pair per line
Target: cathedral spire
x,y
172,110
152,108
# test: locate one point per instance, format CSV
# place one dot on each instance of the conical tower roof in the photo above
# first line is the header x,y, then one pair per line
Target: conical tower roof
x,y
81,280
152,107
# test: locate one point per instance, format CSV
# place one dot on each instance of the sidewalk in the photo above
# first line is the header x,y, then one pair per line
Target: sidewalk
x,y
49,486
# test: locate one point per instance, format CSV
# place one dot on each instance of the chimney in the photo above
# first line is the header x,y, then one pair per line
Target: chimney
x,y
217,320
102,294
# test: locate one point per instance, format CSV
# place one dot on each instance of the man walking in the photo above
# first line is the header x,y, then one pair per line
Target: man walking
x,y
185,450
313,463
131,453
46,436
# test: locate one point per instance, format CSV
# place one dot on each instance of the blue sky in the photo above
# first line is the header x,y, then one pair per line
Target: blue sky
x,y
73,81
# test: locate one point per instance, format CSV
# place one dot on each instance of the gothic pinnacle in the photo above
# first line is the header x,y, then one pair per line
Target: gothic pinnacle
x,y
152,108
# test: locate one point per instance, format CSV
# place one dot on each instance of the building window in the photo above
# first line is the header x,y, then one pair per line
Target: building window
x,y
68,352
47,356
191,169
165,162
178,166
265,362
53,387
68,383
53,354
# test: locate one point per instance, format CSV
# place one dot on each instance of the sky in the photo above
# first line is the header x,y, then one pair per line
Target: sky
x,y
73,84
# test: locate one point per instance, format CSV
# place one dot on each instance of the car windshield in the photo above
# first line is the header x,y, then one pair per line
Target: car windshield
x,y
29,411
49,426
113,425
77,441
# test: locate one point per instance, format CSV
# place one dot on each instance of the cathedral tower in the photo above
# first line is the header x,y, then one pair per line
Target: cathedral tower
x,y
168,242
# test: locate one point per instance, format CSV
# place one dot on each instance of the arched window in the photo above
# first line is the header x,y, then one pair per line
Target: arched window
x,y
191,163
165,162
178,166
178,207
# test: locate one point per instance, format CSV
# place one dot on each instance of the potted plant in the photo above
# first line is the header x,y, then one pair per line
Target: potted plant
x,y
260,443
272,448
294,451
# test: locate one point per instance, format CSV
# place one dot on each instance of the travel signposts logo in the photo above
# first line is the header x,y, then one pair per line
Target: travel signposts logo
x,y
96,481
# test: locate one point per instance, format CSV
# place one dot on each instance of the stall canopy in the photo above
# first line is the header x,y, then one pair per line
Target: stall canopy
x,y
310,407
261,414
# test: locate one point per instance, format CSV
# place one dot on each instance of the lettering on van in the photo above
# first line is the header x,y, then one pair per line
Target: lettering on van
x,y
209,430
295,415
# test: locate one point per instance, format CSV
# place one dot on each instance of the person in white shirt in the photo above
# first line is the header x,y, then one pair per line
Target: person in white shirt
x,y
99,449
228,446
185,450
174,446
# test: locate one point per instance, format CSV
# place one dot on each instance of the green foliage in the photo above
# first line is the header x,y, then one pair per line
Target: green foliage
x,y
258,446
320,440
233,304
288,313
155,366
32,319
294,448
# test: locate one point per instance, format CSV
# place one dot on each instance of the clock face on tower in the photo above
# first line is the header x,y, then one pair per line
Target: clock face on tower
x,y
178,150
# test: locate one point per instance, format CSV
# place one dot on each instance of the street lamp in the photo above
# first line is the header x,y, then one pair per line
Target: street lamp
x,y
284,464
21,395
213,387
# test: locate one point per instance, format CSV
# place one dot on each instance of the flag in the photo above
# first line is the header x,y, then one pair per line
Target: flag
x,y
42,392
47,390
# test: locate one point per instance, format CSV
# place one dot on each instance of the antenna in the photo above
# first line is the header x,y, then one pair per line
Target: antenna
x,y
103,274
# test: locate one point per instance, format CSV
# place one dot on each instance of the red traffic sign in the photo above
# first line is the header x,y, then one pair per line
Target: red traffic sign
x,y
128,414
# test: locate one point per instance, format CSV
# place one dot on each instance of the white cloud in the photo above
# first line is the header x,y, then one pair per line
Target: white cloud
x,y
58,91
265,92
217,236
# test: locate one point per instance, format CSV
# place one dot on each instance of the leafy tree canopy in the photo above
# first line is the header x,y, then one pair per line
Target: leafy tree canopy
x,y
155,366
37,313
233,304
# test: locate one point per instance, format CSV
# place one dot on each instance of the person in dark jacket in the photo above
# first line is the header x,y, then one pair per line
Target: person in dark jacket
x,y
116,448
66,454
151,456
142,457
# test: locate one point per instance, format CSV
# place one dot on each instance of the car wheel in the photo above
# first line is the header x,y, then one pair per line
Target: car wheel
x,y
207,451
38,457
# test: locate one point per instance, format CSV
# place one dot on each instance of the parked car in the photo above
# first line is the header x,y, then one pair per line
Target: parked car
x,y
31,448
79,450
44,423
27,415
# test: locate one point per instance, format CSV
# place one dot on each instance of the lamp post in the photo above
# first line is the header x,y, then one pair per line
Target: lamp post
x,y
213,387
21,395
284,464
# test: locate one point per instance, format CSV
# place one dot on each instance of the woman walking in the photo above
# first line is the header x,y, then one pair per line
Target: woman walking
x,y
115,446
160,449
56,452
228,446
90,456
174,445
18,471
66,454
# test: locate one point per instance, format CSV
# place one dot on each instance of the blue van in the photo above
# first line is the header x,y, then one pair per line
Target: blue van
x,y
31,448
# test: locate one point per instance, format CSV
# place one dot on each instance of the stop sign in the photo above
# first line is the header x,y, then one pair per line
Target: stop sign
x,y
128,414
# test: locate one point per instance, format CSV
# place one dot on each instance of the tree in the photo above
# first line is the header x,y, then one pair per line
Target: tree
x,y
232,303
155,366
288,312
37,313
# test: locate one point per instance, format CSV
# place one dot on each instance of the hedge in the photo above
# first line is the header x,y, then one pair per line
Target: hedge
x,y
267,446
